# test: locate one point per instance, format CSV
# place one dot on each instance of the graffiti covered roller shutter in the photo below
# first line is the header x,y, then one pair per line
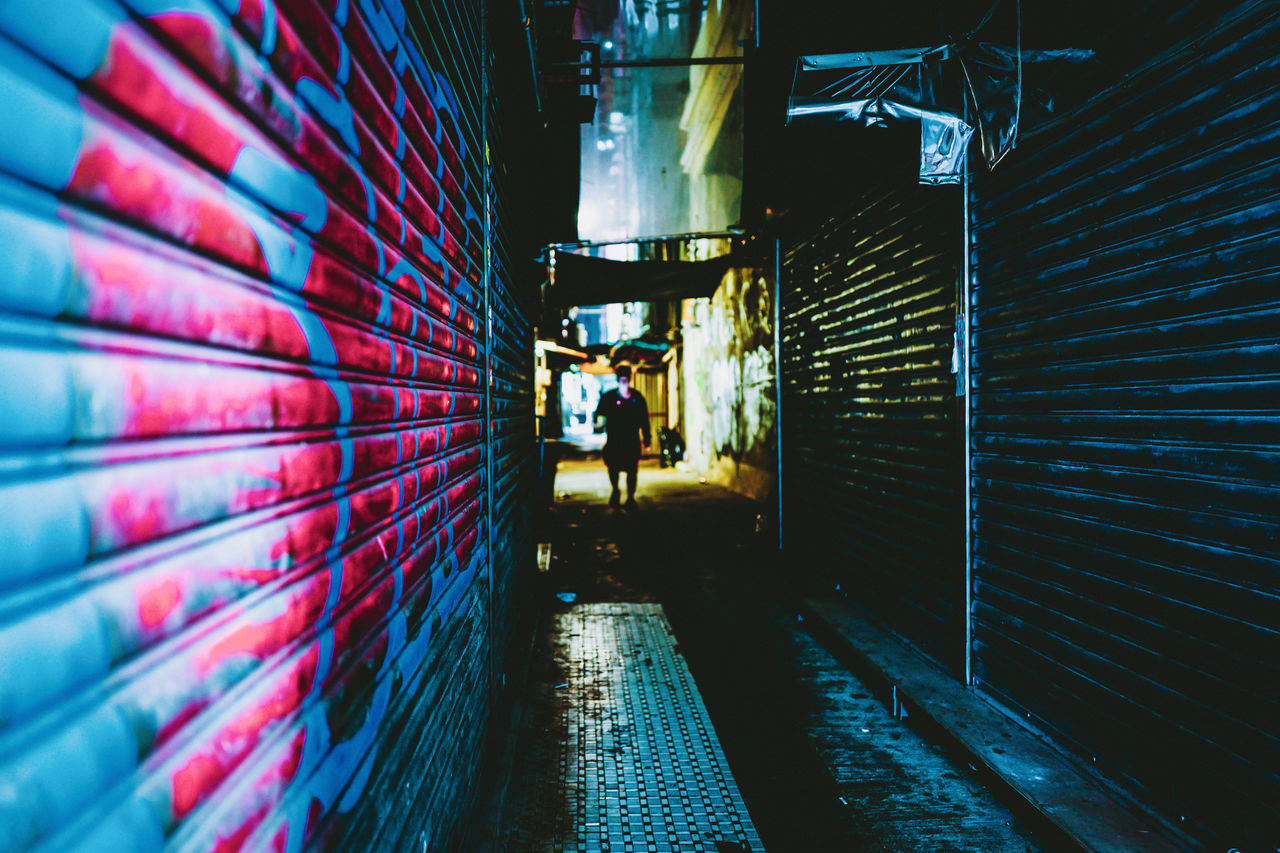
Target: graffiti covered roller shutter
x,y
1125,427
241,426
871,448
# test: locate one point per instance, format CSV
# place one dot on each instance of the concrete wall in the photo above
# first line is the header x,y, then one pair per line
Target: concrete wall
x,y
728,389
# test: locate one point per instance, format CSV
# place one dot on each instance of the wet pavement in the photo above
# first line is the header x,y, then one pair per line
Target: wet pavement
x,y
627,755
821,764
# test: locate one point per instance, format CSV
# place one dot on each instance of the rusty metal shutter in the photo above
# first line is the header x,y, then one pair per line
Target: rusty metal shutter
x,y
244,597
1125,434
872,452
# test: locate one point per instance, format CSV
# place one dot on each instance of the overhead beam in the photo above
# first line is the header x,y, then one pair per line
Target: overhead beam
x,y
672,62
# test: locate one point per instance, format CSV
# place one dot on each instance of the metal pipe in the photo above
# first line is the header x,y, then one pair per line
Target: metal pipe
x,y
967,312
673,62
777,371
692,235
526,21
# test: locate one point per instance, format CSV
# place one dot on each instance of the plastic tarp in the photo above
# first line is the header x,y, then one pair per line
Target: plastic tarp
x,y
879,86
951,90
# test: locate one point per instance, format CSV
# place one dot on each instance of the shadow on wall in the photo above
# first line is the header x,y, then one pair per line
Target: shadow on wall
x,y
728,381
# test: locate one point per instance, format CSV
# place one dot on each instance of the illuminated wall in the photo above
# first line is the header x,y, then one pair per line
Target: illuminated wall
x,y
729,402
243,550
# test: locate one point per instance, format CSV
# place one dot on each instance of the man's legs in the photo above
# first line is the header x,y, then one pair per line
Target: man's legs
x,y
631,484
616,496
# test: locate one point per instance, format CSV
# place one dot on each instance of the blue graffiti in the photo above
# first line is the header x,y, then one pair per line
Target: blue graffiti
x,y
43,130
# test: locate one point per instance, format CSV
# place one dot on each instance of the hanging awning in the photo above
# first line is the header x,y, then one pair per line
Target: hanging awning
x,y
583,280
640,352
558,356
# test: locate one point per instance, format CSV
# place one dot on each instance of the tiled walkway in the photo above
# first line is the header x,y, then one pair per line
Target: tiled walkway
x,y
639,765
613,749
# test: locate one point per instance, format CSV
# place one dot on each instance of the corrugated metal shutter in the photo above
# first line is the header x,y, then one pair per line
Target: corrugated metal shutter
x,y
515,470
244,595
1125,436
515,280
872,454
652,385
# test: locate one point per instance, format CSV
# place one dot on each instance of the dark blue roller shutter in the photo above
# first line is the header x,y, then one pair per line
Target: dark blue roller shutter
x,y
872,454
1126,430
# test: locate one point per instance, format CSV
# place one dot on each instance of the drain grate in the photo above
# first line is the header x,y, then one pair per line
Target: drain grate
x,y
640,768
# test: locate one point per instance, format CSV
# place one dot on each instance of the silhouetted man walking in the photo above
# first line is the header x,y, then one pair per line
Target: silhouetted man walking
x,y
626,418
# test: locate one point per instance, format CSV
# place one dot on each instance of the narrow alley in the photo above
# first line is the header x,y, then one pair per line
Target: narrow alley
x,y
821,762
941,338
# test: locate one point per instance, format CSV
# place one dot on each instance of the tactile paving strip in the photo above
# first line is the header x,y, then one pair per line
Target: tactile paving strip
x,y
640,767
